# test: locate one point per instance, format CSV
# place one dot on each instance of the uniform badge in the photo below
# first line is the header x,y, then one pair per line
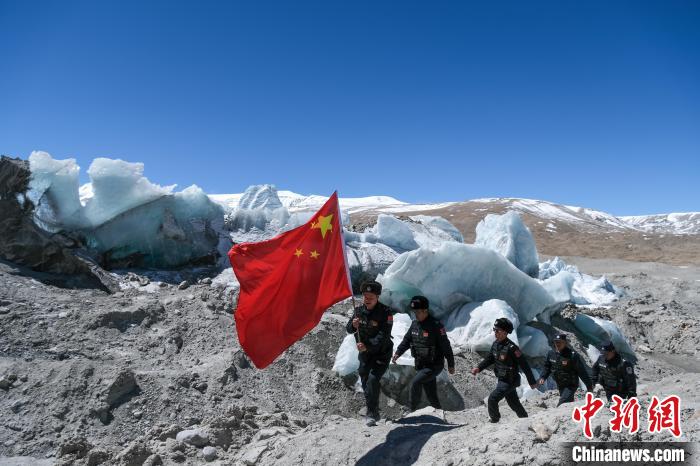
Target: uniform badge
x,y
564,362
503,357
425,334
518,353
390,318
374,323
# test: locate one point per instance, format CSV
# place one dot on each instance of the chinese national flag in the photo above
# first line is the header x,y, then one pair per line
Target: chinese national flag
x,y
287,282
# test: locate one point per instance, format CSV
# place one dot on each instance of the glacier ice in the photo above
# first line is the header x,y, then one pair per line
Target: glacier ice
x,y
114,180
508,235
405,235
259,208
434,223
454,274
367,260
571,286
53,189
598,330
533,341
126,220
552,267
593,353
346,361
470,328
394,233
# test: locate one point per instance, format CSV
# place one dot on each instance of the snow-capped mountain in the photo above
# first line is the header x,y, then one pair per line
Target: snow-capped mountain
x,y
677,223
298,202
548,212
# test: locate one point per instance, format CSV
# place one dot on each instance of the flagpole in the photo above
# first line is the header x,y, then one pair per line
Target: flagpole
x,y
356,334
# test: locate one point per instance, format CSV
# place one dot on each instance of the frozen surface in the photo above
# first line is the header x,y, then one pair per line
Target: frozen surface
x,y
367,260
259,209
454,274
406,235
533,342
508,235
53,189
470,328
434,222
567,285
117,187
554,266
598,330
125,219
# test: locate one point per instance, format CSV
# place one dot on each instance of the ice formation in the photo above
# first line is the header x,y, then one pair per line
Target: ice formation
x,y
439,223
53,189
400,235
597,330
454,274
533,342
259,208
126,220
470,328
508,235
552,267
581,289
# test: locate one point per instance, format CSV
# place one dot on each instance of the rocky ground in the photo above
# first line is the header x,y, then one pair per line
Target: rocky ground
x,y
154,374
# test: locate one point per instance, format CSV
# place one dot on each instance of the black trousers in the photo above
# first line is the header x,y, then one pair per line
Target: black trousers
x,y
507,391
566,394
424,380
371,371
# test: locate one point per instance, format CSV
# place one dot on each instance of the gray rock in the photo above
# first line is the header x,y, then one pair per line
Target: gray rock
x,y
16,406
6,381
542,432
123,385
209,453
195,437
183,285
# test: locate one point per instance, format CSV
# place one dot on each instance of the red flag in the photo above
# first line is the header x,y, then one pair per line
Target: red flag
x,y
287,282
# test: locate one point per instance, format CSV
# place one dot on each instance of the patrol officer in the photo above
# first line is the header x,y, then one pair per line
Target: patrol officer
x,y
566,366
371,323
614,373
508,359
429,346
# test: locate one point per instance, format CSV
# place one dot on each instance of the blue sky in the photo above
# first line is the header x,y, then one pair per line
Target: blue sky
x,y
586,103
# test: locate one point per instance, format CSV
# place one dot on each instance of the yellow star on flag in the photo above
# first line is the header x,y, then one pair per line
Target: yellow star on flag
x,y
314,254
324,224
298,252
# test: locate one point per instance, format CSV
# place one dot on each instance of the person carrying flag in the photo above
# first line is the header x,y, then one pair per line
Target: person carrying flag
x,y
371,323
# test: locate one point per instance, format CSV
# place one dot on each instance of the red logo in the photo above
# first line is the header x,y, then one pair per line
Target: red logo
x,y
586,413
665,415
662,415
625,416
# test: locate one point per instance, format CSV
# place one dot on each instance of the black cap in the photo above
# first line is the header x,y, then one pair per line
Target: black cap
x,y
419,302
372,287
560,337
607,346
504,324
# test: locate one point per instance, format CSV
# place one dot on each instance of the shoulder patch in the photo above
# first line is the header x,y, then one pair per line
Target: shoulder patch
x,y
390,318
